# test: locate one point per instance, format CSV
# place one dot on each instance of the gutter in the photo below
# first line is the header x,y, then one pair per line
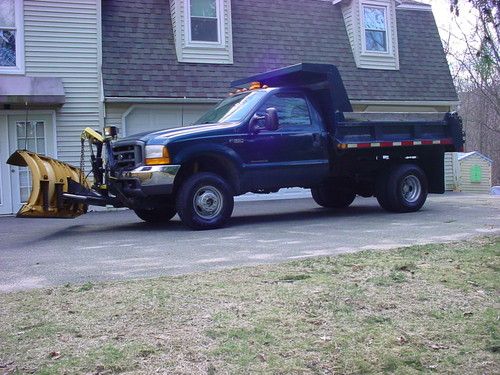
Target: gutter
x,y
146,100
407,102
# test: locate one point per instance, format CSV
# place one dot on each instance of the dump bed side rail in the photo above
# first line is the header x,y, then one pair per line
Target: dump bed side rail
x,y
401,130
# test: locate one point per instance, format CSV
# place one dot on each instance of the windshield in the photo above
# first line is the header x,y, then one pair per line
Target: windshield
x,y
232,109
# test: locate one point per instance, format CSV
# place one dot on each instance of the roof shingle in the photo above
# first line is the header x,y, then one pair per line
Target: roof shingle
x,y
139,57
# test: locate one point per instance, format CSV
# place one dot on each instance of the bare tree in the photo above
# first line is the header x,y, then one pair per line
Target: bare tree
x,y
474,59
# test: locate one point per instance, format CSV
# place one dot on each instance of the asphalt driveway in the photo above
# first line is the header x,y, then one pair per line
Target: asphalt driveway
x,y
116,245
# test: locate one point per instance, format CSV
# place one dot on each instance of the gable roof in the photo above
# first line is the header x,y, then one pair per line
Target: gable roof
x,y
139,58
465,155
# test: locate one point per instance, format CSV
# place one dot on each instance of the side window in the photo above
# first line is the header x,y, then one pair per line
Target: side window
x,y
293,112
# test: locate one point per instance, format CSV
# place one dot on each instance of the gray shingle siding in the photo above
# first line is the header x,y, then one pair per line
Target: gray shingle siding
x,y
139,57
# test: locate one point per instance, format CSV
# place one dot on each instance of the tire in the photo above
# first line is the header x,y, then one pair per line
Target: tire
x,y
381,190
205,201
403,188
156,215
333,196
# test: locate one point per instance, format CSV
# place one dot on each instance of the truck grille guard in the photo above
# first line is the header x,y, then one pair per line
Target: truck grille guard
x,y
126,156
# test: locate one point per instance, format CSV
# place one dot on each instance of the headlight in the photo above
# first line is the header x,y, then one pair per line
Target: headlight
x,y
157,155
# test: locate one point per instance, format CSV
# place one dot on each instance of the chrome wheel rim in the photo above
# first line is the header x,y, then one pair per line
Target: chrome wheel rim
x,y
411,188
207,202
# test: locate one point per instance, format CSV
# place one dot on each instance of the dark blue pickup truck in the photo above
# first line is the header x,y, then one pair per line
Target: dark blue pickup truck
x,y
293,127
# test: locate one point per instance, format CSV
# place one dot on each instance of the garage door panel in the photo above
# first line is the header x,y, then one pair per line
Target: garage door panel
x,y
150,118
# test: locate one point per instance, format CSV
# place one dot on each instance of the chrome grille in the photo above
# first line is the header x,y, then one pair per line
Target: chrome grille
x,y
127,156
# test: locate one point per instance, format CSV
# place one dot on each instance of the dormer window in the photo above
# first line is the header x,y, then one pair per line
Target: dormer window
x,y
372,32
202,30
204,21
375,25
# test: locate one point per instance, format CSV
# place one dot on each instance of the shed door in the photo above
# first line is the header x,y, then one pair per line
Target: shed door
x,y
149,118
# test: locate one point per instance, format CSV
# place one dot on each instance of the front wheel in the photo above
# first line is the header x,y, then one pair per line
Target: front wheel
x,y
403,188
205,201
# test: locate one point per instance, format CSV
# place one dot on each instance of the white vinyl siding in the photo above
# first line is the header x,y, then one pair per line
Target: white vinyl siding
x,y
62,39
451,171
353,14
202,52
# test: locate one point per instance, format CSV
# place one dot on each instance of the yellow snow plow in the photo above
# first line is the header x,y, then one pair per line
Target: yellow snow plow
x,y
60,190
50,179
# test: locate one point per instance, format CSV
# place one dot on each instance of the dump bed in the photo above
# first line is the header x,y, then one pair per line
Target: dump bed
x,y
363,130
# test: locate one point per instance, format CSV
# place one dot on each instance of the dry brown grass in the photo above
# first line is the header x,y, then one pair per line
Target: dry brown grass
x,y
422,309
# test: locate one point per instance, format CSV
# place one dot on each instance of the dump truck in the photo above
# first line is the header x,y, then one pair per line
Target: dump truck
x,y
290,127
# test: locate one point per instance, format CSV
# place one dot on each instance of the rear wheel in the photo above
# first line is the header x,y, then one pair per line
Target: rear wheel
x,y
205,201
333,196
402,188
156,215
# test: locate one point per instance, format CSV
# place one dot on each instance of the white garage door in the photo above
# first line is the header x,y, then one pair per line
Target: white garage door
x,y
156,117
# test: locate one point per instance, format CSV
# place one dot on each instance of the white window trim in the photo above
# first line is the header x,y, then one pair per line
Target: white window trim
x,y
219,4
19,68
388,35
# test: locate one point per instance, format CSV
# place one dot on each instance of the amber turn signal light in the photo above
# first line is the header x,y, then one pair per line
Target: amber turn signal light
x,y
157,155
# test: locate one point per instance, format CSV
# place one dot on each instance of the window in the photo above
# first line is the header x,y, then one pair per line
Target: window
x,y
30,136
203,31
204,21
375,28
232,109
293,112
11,37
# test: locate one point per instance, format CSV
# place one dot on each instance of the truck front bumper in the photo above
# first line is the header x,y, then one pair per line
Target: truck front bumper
x,y
147,181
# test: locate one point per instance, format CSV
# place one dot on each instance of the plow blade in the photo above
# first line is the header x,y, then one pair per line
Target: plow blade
x,y
50,180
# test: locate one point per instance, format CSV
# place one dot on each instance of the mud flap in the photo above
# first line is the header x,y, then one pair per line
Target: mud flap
x,y
50,178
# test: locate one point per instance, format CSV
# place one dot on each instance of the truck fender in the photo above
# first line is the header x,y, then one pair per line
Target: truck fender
x,y
222,153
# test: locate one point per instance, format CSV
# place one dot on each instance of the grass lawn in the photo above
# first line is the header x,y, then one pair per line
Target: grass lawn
x,y
425,309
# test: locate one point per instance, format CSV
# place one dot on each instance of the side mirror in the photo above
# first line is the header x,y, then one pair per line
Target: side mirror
x,y
271,121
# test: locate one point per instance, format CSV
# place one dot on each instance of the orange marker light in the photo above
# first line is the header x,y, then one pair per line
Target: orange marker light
x,y
254,85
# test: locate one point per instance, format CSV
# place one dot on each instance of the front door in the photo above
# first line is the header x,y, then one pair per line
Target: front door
x,y
5,190
37,135
293,155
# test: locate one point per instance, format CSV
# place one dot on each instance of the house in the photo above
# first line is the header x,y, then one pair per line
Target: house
x,y
150,64
50,84
165,62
